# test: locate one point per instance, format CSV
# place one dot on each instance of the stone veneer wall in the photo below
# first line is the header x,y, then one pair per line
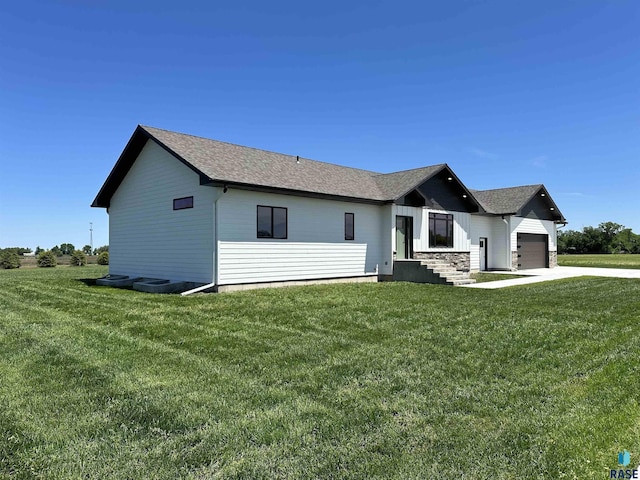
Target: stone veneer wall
x,y
459,260
514,260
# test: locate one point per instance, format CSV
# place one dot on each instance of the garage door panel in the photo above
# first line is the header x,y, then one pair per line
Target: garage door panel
x,y
533,250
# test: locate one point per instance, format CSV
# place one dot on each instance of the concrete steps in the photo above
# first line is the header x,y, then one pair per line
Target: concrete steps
x,y
449,274
430,271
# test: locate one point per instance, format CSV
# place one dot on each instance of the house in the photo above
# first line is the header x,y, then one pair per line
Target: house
x,y
190,209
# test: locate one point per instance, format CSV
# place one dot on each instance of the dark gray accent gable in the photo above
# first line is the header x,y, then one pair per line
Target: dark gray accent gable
x,y
445,194
538,207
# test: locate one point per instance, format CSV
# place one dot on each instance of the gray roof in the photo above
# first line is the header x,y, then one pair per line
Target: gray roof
x,y
502,201
227,163
511,200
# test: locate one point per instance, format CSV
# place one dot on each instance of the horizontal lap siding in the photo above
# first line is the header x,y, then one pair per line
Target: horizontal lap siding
x,y
314,248
530,225
494,230
146,236
263,262
480,227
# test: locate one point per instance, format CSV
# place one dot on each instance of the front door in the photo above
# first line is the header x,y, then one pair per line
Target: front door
x,y
483,253
404,237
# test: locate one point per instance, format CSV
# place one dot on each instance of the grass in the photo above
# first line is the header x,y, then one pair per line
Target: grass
x,y
389,380
615,260
482,277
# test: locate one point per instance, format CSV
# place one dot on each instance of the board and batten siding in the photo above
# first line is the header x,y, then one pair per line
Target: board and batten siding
x,y
531,225
420,215
495,231
315,246
147,238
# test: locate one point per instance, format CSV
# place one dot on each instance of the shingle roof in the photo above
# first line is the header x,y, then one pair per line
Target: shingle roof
x,y
505,200
223,162
510,201
396,184
227,162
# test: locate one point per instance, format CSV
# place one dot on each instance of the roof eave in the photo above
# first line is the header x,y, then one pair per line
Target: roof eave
x,y
128,156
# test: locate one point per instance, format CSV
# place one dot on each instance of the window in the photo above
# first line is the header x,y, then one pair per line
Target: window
x,y
349,227
440,230
182,203
272,222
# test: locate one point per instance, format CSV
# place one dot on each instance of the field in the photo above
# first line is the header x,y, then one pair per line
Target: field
x,y
616,260
388,380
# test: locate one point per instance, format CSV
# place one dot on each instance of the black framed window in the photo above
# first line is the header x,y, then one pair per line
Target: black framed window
x,y
349,226
440,230
272,222
182,203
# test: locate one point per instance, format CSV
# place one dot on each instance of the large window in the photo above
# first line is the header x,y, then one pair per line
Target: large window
x,y
272,222
440,230
349,227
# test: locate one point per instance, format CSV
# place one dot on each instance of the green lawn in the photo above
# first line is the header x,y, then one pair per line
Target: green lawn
x,y
616,260
481,277
388,380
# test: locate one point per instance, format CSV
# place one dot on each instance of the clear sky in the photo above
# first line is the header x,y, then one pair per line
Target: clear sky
x,y
506,92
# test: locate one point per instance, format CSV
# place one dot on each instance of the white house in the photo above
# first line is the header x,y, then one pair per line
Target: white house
x,y
190,209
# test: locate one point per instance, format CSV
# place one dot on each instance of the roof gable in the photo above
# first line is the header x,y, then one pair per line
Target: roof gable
x,y
527,200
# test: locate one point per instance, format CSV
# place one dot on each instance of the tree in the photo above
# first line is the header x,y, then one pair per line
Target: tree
x,y
608,237
86,249
104,248
56,251
103,258
39,250
47,259
67,248
9,259
78,259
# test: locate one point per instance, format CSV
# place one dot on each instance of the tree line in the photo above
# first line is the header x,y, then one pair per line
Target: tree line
x,y
11,257
608,237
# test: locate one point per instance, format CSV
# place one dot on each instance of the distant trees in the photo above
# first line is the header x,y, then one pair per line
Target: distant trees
x,y
47,259
608,237
103,258
78,259
9,258
86,249
99,250
67,248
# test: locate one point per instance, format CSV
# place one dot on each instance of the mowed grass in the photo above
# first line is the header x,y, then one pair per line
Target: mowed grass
x,y
482,277
614,260
389,380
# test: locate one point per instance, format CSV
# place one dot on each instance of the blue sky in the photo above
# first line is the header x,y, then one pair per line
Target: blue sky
x,y
507,93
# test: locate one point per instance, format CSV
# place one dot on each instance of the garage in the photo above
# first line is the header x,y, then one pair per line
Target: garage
x,y
533,250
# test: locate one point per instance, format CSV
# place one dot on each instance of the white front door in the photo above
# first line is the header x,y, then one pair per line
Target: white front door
x,y
483,253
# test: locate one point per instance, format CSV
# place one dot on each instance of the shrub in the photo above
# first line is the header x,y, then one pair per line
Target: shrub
x,y
103,258
9,259
78,259
47,259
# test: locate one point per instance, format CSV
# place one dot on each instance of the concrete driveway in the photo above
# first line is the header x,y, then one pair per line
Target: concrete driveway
x,y
536,275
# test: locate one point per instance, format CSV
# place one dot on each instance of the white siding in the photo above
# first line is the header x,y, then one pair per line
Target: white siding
x,y
146,236
387,235
495,231
531,225
315,247
420,215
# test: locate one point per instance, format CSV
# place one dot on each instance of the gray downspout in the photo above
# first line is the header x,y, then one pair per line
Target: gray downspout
x,y
215,246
